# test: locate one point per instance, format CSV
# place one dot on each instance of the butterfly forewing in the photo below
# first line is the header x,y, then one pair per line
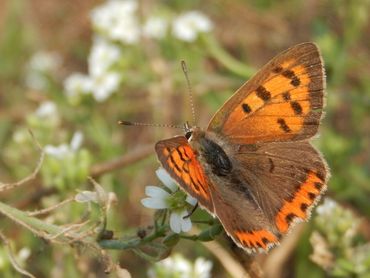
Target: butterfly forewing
x,y
180,161
282,102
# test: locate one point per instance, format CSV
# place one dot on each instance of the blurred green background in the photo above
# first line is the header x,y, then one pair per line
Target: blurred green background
x,y
43,43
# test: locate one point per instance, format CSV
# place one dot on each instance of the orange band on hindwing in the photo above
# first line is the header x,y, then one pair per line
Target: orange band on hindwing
x,y
256,239
302,200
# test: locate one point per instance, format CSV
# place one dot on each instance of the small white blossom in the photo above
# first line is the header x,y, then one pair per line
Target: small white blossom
x,y
77,84
159,198
44,61
58,152
47,113
76,141
40,64
105,85
47,109
24,254
188,25
86,197
102,56
155,27
178,266
118,20
202,268
63,150
327,207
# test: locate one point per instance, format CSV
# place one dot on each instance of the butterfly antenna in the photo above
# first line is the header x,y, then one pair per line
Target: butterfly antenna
x,y
149,124
185,71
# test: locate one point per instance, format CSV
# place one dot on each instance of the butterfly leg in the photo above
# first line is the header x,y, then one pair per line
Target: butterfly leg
x,y
191,212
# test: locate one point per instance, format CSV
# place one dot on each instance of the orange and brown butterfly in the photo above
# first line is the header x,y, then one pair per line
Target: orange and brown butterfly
x,y
253,166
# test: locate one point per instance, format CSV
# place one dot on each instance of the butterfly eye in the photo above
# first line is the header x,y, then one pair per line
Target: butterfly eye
x,y
188,134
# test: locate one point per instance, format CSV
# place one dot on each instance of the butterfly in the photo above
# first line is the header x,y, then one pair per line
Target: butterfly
x,y
253,166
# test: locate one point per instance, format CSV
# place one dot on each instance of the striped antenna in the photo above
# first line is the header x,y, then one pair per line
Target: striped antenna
x,y
149,124
185,70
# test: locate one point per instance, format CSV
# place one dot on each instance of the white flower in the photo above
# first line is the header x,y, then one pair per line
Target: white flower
x,y
118,20
105,85
188,25
47,109
58,152
40,64
76,141
178,266
155,27
77,84
102,56
44,61
64,150
86,196
202,268
161,199
47,113
327,207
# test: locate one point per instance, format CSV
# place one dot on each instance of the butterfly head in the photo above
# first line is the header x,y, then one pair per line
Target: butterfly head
x,y
192,132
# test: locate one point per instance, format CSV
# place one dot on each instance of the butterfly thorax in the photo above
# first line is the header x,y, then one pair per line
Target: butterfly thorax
x,y
210,151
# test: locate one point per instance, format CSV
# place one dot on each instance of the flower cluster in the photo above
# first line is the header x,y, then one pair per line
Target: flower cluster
x,y
117,27
178,266
66,165
174,200
335,242
101,81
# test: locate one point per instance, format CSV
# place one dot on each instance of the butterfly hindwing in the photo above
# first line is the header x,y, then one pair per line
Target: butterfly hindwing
x,y
179,160
243,219
282,102
271,187
286,178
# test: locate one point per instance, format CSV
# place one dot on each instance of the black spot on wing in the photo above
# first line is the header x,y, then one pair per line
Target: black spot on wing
x,y
278,69
304,207
246,108
297,108
295,81
263,94
283,125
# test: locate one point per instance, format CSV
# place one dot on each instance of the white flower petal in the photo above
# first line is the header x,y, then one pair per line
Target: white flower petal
x,y
154,203
86,196
102,56
190,200
155,27
188,25
105,85
185,222
156,192
118,20
46,109
58,152
175,222
202,268
166,179
77,84
76,140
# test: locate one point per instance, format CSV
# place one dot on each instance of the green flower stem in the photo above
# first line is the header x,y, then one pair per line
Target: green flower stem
x,y
133,243
36,225
225,58
23,219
